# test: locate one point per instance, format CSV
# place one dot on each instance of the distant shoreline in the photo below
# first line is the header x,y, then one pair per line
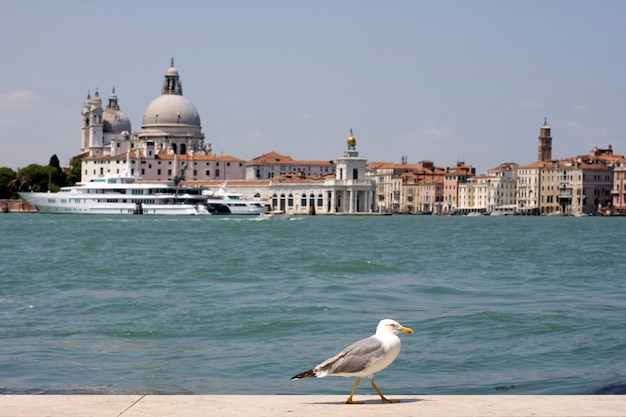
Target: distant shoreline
x,y
16,206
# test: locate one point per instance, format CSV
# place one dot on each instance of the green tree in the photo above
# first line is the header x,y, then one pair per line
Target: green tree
x,y
36,178
58,177
7,176
73,175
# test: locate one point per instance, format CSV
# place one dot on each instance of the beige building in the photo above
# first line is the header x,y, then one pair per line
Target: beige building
x,y
273,164
619,188
388,184
502,188
408,188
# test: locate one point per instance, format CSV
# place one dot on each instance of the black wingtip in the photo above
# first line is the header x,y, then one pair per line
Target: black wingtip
x,y
305,374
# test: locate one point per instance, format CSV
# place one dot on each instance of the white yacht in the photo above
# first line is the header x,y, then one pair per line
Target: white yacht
x,y
120,194
224,202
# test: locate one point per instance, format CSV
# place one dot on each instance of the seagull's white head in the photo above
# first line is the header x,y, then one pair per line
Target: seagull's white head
x,y
391,326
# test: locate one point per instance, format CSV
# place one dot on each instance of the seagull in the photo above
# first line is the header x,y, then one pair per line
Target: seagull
x,y
364,358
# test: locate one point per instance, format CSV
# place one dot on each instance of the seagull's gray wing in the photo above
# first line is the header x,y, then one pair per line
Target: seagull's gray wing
x,y
354,358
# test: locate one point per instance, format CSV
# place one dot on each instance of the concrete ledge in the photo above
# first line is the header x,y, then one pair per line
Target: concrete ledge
x,y
309,405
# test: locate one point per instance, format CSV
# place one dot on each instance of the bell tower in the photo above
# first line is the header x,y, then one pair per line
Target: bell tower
x,y
545,143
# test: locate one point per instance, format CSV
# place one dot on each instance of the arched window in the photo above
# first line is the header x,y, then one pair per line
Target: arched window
x,y
183,149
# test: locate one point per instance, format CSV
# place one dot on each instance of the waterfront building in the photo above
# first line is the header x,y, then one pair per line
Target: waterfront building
x,y
388,184
422,189
350,191
452,179
501,193
472,196
619,188
528,176
273,164
577,185
407,188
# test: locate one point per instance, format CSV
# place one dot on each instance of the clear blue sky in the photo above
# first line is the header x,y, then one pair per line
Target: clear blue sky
x,y
440,80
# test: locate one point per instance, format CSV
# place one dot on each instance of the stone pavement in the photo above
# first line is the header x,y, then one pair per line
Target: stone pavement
x,y
310,406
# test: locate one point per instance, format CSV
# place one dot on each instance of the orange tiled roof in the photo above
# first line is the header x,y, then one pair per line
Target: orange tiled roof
x,y
273,158
229,183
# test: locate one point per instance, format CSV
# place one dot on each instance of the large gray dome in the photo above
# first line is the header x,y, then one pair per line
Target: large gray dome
x,y
171,109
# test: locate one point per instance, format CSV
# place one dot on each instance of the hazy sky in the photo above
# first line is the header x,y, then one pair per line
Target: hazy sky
x,y
439,80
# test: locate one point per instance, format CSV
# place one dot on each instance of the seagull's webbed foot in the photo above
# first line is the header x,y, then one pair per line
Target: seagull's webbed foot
x,y
388,401
385,399
350,400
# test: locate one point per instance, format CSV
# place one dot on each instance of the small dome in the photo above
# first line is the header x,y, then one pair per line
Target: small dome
x,y
115,121
96,101
171,109
351,141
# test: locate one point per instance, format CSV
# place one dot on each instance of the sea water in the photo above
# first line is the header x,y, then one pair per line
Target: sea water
x,y
238,305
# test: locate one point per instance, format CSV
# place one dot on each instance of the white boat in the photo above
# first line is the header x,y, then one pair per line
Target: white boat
x,y
276,214
224,202
120,194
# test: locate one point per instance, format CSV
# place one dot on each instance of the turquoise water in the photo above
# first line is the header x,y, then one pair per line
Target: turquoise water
x,y
221,305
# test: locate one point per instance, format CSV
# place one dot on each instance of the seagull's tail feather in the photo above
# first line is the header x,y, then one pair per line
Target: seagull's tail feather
x,y
310,372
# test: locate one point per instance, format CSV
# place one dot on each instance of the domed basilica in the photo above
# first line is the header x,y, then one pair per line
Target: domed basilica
x,y
170,141
171,124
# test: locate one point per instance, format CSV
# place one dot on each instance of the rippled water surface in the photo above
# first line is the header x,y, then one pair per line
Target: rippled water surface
x,y
220,305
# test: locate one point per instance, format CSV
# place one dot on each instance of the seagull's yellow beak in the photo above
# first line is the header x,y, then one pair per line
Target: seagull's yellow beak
x,y
406,330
